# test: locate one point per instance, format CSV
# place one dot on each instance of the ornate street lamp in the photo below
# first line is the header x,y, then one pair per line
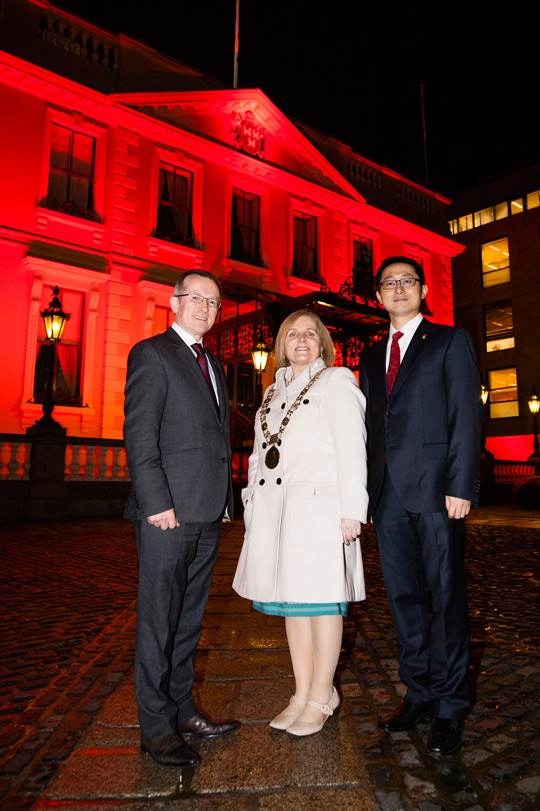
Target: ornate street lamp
x,y
534,407
259,354
54,319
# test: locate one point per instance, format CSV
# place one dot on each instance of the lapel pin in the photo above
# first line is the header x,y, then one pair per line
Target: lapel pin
x,y
424,336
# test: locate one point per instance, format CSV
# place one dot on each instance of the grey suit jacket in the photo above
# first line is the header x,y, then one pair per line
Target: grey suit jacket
x,y
177,443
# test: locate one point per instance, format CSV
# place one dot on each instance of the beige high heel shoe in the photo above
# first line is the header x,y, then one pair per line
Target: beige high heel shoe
x,y
301,728
283,720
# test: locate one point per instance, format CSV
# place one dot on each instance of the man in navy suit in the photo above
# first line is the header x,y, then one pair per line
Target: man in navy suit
x,y
177,442
424,432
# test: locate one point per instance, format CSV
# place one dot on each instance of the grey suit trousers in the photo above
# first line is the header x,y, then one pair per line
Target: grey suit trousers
x,y
175,573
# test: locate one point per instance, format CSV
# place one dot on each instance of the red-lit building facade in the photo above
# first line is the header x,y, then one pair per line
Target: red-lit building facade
x,y
122,167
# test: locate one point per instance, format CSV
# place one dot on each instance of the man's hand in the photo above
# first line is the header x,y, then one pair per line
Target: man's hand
x,y
165,520
350,529
457,507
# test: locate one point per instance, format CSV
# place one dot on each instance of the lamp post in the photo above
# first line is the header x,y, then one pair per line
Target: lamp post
x,y
54,319
484,395
534,407
259,355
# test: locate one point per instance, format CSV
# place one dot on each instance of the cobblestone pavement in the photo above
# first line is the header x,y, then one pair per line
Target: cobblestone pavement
x,y
67,628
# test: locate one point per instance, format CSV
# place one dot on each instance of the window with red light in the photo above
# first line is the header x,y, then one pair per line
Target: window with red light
x,y
245,227
305,258
69,352
175,205
163,318
416,259
71,170
362,266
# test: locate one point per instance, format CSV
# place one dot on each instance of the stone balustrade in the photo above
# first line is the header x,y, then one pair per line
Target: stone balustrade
x,y
70,476
84,44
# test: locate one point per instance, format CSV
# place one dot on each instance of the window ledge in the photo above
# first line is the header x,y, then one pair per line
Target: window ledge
x,y
44,216
31,412
162,247
255,272
297,285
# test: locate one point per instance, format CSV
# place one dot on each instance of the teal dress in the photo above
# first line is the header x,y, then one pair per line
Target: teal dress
x,y
301,609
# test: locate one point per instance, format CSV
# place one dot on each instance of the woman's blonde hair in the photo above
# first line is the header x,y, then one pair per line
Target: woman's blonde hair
x,y
328,352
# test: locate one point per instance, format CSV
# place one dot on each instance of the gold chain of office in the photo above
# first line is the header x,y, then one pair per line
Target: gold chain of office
x,y
271,460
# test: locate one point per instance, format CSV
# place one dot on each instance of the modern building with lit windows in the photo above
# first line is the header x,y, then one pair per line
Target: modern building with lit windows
x,y
122,168
496,298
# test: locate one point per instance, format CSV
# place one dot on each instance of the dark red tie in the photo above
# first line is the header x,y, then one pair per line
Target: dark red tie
x,y
395,360
203,363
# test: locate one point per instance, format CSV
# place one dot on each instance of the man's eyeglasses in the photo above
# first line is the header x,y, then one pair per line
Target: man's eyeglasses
x,y
391,284
196,298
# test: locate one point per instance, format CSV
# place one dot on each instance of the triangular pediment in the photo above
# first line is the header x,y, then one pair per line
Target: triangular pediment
x,y
247,122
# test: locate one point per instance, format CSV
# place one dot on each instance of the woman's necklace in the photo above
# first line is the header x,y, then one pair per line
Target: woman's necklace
x,y
271,459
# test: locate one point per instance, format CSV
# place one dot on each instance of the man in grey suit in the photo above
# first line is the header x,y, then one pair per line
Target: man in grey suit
x,y
177,442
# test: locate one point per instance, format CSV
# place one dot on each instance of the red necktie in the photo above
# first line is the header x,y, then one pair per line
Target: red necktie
x,y
395,360
203,363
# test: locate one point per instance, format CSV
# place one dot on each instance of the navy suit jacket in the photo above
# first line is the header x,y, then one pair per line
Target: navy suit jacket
x,y
177,443
428,432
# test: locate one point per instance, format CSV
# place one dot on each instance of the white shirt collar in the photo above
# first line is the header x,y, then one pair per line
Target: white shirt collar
x,y
409,328
185,336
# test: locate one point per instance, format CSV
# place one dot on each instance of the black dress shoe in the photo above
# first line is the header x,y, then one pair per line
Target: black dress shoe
x,y
445,736
407,717
169,750
202,727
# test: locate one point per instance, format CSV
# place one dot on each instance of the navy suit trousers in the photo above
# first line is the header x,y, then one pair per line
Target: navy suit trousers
x,y
423,563
175,574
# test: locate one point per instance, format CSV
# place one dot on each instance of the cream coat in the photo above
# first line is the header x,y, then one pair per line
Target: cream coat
x,y
293,548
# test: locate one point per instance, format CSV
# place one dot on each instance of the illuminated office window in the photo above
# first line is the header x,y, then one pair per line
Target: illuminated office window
x,y
533,199
503,393
484,216
501,210
516,206
499,326
465,223
495,262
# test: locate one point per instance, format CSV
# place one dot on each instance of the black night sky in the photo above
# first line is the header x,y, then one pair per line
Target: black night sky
x,y
356,72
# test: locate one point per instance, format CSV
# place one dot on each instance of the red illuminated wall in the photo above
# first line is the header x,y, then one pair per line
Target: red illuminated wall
x,y
512,448
120,269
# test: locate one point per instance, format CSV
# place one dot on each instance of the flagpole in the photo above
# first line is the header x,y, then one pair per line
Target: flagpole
x,y
424,134
236,43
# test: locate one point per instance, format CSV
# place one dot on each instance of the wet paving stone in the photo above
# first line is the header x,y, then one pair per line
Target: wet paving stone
x,y
66,694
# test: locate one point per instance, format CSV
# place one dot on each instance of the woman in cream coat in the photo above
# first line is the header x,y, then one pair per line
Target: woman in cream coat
x,y
303,505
